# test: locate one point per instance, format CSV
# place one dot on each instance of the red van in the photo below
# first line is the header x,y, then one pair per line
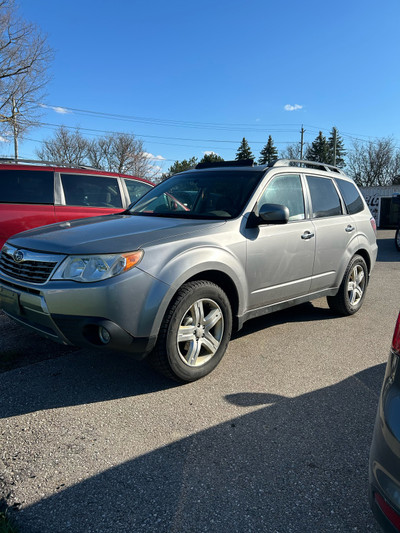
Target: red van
x,y
37,193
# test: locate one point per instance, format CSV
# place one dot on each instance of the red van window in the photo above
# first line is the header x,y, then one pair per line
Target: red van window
x,y
92,191
26,187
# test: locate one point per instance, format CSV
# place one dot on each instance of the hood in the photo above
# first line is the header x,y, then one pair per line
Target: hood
x,y
108,234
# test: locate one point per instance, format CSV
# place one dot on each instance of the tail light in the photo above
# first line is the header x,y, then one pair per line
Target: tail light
x,y
373,224
390,513
396,337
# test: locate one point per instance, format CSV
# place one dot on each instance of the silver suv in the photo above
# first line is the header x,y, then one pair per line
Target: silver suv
x,y
197,256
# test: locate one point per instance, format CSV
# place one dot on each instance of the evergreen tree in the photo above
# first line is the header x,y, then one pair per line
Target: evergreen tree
x,y
269,153
211,158
340,151
244,151
319,150
179,166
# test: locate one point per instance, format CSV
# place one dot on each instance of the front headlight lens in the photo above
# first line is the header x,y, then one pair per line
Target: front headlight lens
x,y
89,268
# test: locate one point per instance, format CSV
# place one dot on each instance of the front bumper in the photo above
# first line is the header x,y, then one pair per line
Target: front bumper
x,y
116,314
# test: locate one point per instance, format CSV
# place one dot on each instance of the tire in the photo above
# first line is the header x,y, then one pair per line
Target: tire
x,y
397,239
352,290
195,332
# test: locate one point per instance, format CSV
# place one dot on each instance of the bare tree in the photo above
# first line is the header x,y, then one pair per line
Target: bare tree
x,y
117,152
24,60
65,148
121,153
374,163
292,151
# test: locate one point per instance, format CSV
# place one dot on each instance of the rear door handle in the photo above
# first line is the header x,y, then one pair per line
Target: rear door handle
x,y
307,235
350,228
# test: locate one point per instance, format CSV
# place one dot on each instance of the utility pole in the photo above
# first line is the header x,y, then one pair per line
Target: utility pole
x,y
15,128
302,141
334,145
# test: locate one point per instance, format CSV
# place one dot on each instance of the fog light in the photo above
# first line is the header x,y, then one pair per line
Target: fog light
x,y
104,335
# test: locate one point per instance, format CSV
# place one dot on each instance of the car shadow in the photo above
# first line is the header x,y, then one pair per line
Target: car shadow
x,y
293,464
81,376
78,378
307,312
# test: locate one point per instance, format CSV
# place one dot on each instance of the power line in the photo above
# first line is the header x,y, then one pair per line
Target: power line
x,y
96,131
176,123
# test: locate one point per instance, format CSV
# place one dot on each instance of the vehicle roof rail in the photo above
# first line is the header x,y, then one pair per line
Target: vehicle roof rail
x,y
236,163
306,164
14,161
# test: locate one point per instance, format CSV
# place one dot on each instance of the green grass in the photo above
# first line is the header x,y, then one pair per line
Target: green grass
x,y
6,523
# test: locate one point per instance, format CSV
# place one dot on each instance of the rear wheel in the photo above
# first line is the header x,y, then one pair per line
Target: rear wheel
x,y
195,332
352,290
397,239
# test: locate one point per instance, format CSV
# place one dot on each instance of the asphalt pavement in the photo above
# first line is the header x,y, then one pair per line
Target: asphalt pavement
x,y
275,440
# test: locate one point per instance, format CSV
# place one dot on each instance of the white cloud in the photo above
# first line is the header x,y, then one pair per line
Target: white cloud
x,y
61,110
210,152
153,157
4,140
295,107
57,109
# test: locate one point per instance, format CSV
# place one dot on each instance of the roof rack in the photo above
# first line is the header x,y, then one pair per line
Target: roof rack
x,y
305,164
236,163
13,161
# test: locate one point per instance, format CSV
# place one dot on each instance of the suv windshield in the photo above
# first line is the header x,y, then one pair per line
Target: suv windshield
x,y
215,195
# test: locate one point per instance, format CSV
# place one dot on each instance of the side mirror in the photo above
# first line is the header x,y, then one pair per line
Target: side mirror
x,y
273,214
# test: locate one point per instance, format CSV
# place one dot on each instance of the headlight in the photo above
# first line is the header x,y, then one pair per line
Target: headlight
x,y
89,268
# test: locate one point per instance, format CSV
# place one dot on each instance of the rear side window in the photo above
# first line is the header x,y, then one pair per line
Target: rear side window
x,y
324,197
91,191
136,189
351,196
26,187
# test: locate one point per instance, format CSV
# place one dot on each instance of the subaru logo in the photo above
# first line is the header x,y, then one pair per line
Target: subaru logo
x,y
18,256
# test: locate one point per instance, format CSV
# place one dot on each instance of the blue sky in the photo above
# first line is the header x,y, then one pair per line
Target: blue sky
x,y
192,77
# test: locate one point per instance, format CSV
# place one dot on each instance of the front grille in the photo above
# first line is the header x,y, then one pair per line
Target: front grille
x,y
31,270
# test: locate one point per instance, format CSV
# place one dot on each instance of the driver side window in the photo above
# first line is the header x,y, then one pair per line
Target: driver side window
x,y
285,190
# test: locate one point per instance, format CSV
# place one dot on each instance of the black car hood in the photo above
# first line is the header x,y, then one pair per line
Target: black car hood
x,y
108,234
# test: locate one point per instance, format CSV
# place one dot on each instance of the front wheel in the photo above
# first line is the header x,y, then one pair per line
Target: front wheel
x,y
195,332
352,290
397,239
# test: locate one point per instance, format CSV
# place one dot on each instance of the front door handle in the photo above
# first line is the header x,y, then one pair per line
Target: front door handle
x,y
307,235
350,228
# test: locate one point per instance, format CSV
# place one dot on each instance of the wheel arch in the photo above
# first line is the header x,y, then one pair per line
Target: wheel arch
x,y
365,255
214,275
226,283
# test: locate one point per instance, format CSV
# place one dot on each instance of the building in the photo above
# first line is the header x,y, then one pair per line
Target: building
x,y
382,203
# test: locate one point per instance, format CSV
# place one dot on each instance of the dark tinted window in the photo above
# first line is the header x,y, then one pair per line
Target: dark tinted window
x,y
324,197
351,196
136,189
285,190
91,191
26,187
